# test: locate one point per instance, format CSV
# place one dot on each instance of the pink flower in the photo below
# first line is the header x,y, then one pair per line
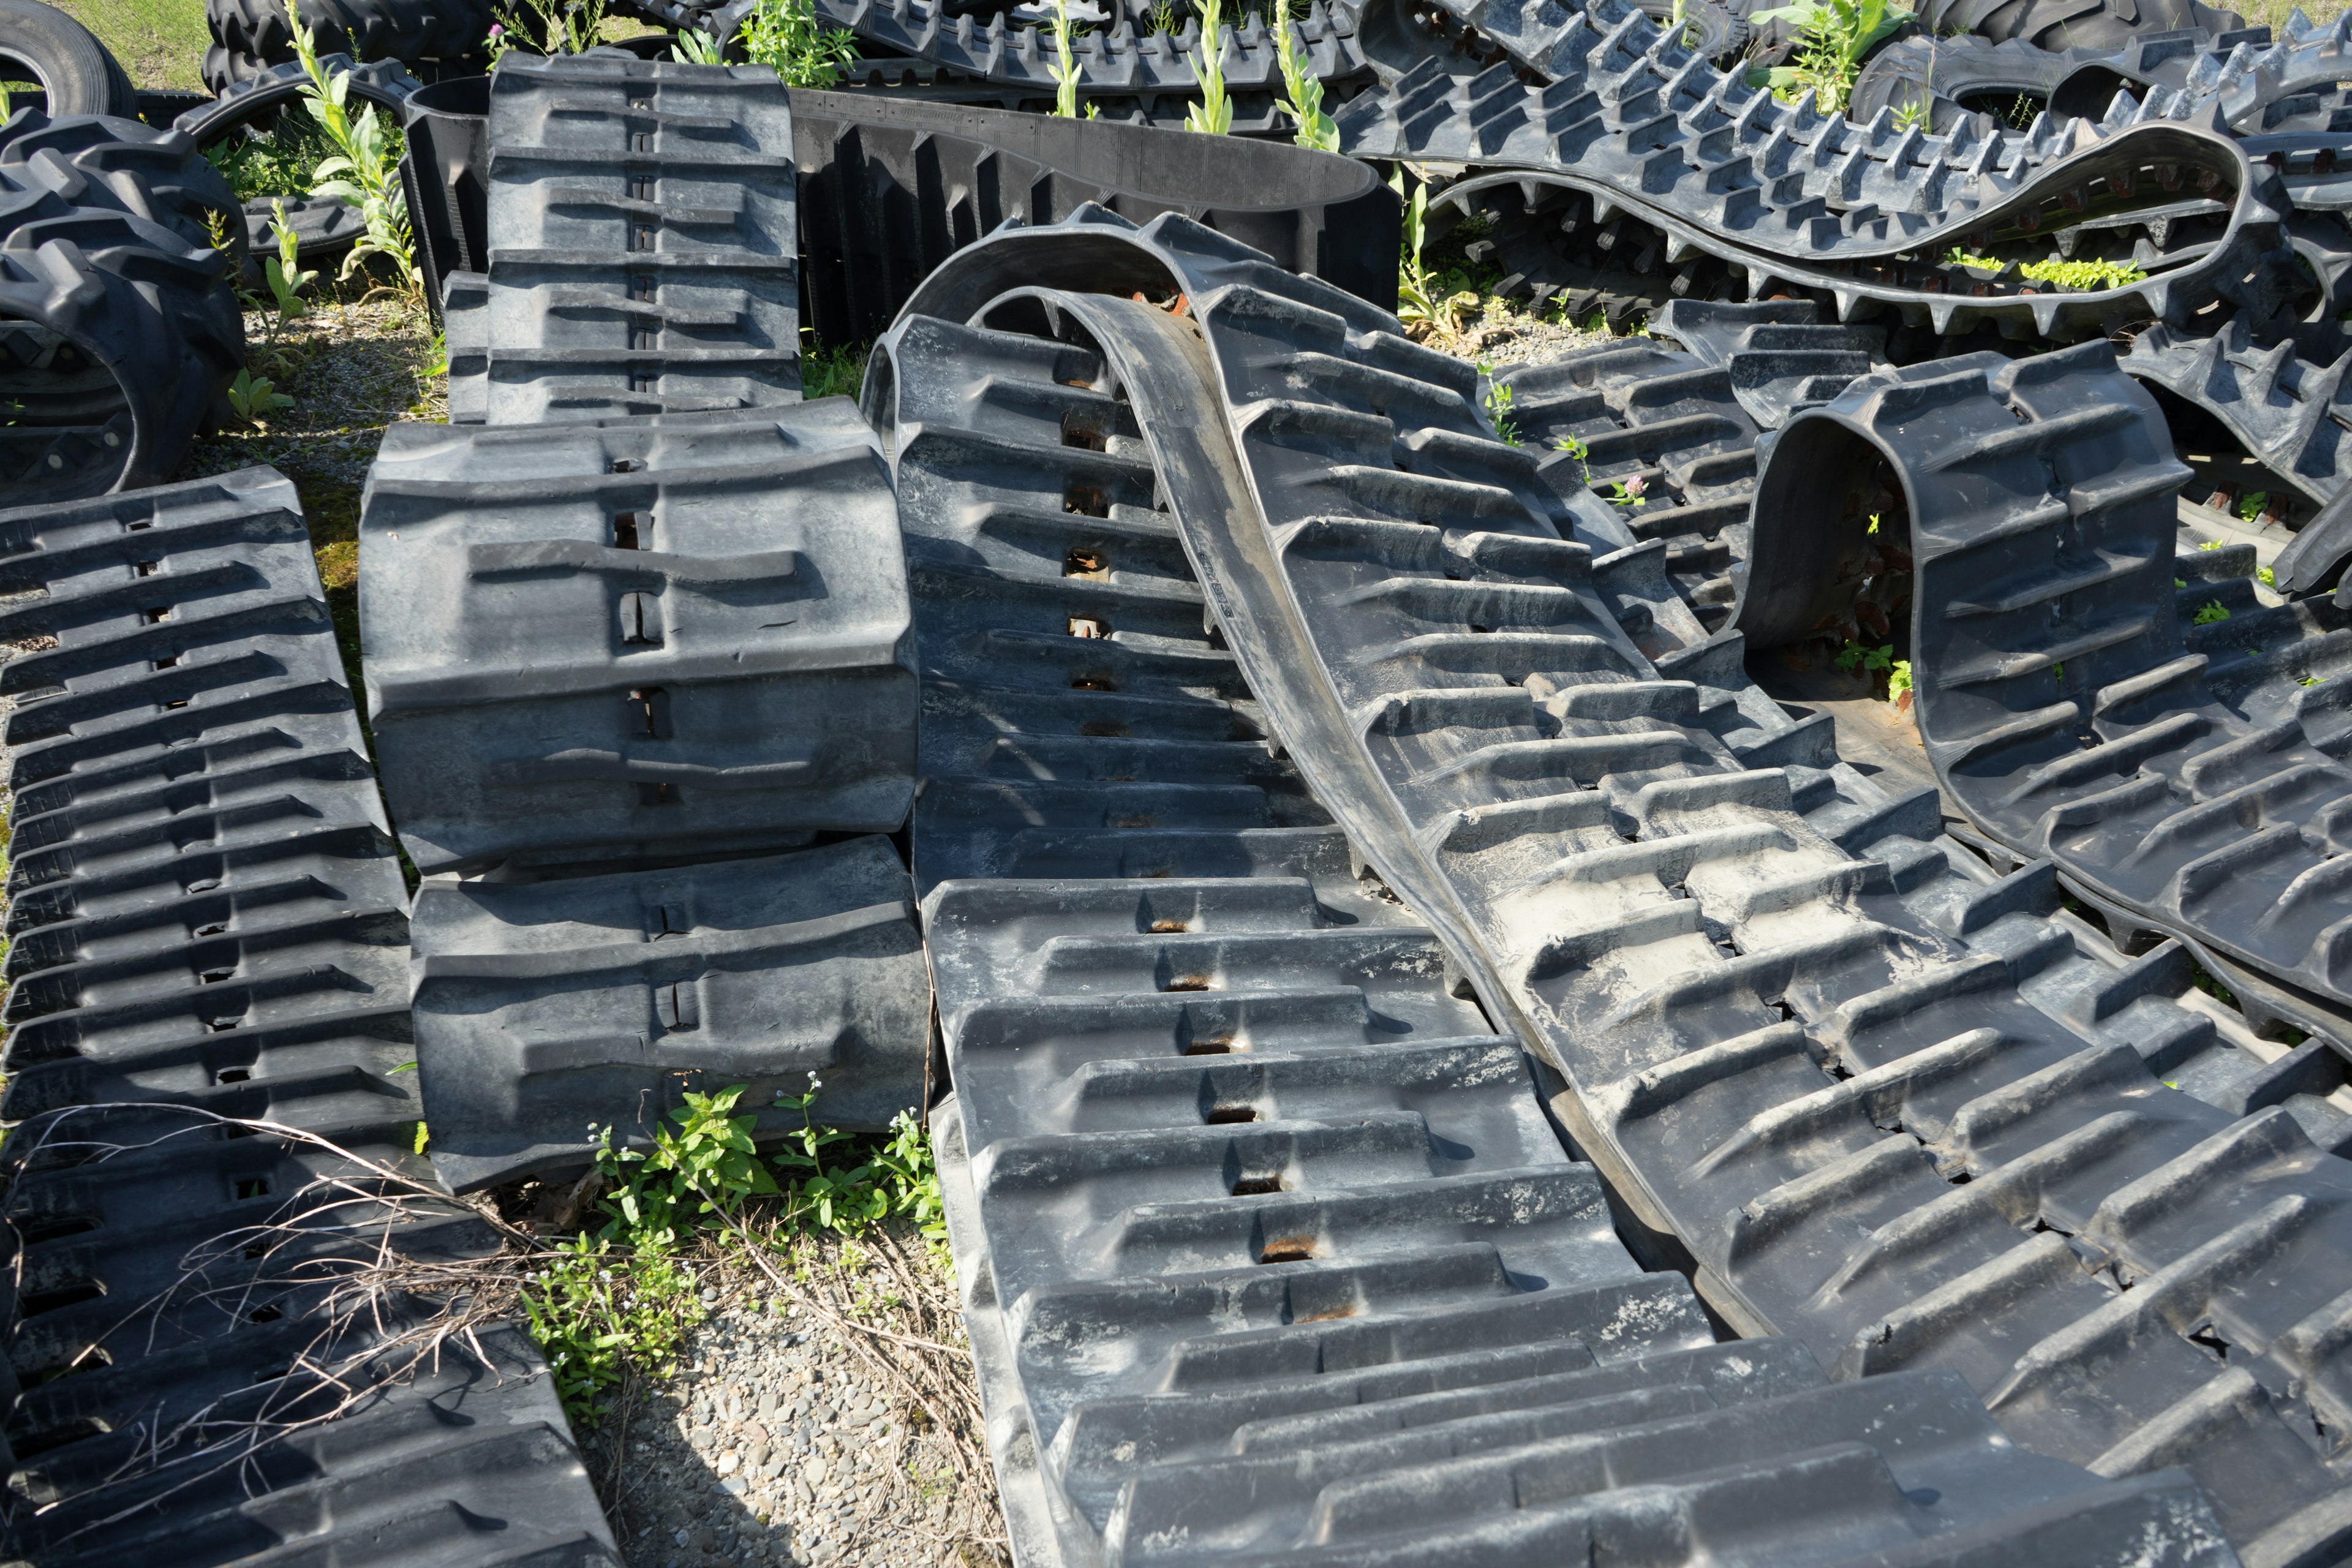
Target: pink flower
x,y
1634,487
498,29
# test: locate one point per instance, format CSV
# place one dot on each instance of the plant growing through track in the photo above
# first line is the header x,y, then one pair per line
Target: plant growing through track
x,y
1498,408
1214,113
2214,611
364,172
1303,91
697,48
1068,21
2083,274
284,271
784,35
1832,38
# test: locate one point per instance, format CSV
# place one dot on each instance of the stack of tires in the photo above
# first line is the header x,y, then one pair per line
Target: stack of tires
x,y
439,37
119,319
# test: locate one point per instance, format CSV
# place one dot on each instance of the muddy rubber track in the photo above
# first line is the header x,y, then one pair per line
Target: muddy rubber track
x,y
207,920
1859,214
643,252
1805,1041
2171,751
1231,1154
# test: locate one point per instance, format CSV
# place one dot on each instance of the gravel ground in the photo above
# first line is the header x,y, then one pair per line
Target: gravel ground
x,y
789,1436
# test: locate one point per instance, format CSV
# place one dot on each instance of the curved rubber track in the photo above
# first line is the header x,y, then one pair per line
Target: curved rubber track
x,y
1448,670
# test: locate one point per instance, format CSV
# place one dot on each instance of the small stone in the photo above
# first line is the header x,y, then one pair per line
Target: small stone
x,y
814,1472
735,1485
767,1402
710,1294
727,1465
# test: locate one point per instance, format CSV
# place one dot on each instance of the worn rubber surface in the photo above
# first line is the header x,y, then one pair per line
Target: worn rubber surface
x,y
888,190
206,921
1799,1032
542,1008
2287,412
2180,769
2059,25
1742,192
252,36
1267,1252
1949,77
116,336
637,638
383,84
98,164
77,74
642,241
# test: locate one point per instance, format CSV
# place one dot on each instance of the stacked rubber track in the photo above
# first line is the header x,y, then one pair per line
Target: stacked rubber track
x,y
621,665
1801,1034
119,321
1268,1251
208,1028
642,244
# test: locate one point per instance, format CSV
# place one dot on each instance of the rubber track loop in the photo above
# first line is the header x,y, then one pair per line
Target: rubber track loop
x,y
2070,700
1659,911
1227,1150
1631,122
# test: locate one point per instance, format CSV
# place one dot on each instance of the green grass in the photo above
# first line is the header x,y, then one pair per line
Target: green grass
x,y
160,42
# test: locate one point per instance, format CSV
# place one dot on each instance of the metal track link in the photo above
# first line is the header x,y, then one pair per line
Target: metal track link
x,y
207,921
1808,1042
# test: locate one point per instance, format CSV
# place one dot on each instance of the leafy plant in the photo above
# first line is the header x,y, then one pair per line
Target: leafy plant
x,y
574,28
1303,91
1627,492
697,48
1833,37
599,1302
2214,610
283,271
1214,113
2084,274
708,1163
1069,22
1857,658
783,35
2266,577
254,398
1498,410
836,372
364,172
1915,115
2249,509
1898,678
1168,16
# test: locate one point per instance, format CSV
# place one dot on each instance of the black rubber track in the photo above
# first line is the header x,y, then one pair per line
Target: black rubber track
x,y
602,643
1633,122
1949,78
889,190
2170,751
1267,1252
116,338
1703,938
386,84
77,74
249,37
642,246
207,1027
